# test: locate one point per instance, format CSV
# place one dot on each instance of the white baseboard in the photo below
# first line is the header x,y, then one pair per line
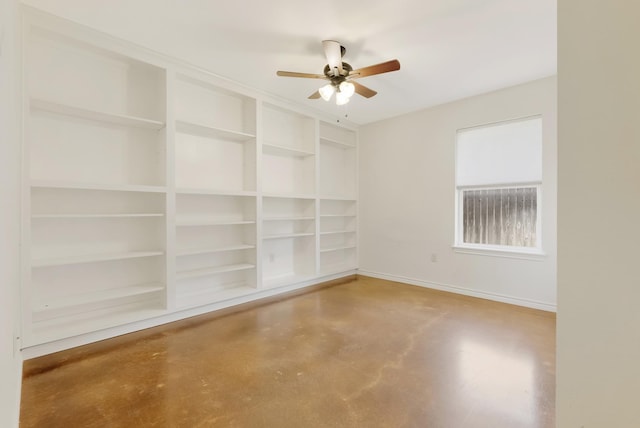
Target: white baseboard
x,y
464,291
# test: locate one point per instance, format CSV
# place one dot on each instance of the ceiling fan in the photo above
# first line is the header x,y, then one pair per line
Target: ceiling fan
x,y
341,76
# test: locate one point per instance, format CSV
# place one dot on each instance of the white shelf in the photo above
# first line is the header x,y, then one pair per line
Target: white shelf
x,y
211,222
215,192
91,216
90,258
292,218
337,143
287,235
274,149
213,132
55,184
206,250
336,215
335,232
64,302
289,195
213,270
337,198
344,247
98,116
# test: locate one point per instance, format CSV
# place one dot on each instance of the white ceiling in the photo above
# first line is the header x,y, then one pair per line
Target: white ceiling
x,y
448,49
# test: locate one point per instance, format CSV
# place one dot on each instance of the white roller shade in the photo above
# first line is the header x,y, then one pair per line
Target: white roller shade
x,y
509,152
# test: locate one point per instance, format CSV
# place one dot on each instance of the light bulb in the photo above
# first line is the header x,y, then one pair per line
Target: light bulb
x,y
347,88
341,98
326,91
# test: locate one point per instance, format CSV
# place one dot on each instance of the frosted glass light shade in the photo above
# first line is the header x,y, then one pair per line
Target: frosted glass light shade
x,y
341,98
326,91
347,88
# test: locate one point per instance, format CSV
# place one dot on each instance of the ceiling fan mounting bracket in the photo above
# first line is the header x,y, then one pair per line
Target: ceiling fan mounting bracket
x,y
337,78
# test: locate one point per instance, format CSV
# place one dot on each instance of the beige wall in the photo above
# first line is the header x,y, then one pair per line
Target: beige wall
x,y
10,361
598,383
407,199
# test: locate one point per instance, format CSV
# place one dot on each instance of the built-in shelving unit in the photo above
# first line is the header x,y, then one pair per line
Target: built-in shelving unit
x,y
95,156
288,239
337,162
288,152
215,147
337,235
338,189
216,246
154,191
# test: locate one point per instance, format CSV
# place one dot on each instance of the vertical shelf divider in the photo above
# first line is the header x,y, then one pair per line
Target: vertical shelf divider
x,y
259,192
317,194
170,198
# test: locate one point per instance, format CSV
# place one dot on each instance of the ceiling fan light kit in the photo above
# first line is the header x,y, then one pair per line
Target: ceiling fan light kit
x,y
340,75
327,91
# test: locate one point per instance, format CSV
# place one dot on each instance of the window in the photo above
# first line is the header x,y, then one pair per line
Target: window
x,y
498,183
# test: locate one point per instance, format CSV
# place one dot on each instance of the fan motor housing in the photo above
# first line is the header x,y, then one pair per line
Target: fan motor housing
x,y
336,80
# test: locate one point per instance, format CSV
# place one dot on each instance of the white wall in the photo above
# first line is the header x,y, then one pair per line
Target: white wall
x,y
407,199
10,361
598,335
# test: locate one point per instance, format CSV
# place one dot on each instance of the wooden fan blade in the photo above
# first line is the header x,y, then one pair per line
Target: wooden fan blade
x,y
334,56
363,90
314,96
296,74
383,67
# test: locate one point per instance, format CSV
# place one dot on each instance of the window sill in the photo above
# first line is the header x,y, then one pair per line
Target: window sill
x,y
534,254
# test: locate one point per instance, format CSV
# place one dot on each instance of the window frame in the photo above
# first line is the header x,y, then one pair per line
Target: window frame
x,y
462,246
508,251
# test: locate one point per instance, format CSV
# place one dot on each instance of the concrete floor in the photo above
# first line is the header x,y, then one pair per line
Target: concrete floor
x,y
368,353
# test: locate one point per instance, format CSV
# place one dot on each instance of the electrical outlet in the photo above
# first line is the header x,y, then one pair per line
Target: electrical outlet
x,y
434,258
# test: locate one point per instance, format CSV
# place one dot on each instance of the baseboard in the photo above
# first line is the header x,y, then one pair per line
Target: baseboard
x,y
533,304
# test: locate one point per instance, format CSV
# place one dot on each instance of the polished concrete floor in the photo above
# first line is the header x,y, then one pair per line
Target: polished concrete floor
x,y
367,353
